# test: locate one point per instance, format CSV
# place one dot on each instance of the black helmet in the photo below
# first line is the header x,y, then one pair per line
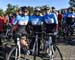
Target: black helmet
x,y
24,8
46,7
53,7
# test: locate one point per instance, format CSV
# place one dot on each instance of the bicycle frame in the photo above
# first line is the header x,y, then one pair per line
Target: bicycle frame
x,y
51,50
36,42
19,48
16,51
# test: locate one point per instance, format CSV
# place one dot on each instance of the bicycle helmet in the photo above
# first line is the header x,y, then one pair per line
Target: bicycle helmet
x,y
72,8
37,9
53,7
46,7
24,8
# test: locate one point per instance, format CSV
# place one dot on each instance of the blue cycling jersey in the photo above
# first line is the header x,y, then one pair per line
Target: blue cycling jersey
x,y
70,15
35,20
50,18
64,16
21,20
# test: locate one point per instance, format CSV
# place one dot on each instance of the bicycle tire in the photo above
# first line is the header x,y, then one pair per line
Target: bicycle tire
x,y
58,53
35,52
22,56
10,54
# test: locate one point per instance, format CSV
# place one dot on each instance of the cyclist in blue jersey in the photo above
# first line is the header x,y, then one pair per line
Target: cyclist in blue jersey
x,y
54,11
70,15
70,19
35,23
51,22
22,21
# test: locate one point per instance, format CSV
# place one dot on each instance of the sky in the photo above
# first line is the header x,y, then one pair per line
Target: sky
x,y
58,4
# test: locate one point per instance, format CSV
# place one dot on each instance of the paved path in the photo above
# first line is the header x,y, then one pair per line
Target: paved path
x,y
67,51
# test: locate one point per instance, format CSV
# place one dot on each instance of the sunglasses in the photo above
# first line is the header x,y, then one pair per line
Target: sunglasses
x,y
25,11
37,11
47,9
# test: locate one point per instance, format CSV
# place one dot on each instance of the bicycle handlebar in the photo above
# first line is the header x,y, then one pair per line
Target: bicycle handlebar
x,y
49,34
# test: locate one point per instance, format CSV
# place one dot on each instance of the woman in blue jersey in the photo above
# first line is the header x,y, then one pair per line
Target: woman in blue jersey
x,y
51,22
22,21
35,23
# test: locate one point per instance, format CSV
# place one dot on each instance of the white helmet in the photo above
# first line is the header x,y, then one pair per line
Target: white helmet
x,y
37,9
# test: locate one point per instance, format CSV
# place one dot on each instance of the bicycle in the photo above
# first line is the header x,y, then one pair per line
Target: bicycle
x,y
68,32
35,50
16,51
49,48
5,41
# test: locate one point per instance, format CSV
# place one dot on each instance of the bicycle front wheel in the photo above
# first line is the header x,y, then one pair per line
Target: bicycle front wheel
x,y
13,54
57,53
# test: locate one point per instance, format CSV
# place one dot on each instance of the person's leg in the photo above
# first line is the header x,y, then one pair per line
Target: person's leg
x,y
39,43
0,42
54,42
32,43
23,37
24,42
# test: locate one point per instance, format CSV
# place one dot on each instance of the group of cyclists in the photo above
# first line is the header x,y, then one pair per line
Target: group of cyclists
x,y
51,20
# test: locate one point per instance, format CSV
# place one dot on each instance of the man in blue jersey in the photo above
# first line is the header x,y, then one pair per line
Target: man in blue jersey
x,y
22,21
35,23
70,19
51,23
70,16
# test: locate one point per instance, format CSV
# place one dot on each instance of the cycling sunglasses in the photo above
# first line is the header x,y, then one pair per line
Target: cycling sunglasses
x,y
25,11
37,11
47,9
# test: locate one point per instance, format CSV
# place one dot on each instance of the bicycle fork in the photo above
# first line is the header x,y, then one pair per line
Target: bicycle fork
x,y
51,50
18,50
35,46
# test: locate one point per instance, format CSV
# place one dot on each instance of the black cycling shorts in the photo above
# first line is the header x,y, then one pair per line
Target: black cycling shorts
x,y
50,28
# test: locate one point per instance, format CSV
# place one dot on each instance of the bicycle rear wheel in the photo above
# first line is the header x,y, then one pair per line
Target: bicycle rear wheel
x,y
50,55
57,53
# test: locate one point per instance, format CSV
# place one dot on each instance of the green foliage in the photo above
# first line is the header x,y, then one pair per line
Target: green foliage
x,y
1,12
31,9
72,3
11,9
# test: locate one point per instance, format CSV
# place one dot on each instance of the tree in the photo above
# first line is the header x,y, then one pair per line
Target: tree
x,y
31,9
1,12
11,9
72,3
16,8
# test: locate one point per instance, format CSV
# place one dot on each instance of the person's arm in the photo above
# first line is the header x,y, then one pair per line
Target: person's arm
x,y
14,24
65,17
56,22
15,21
